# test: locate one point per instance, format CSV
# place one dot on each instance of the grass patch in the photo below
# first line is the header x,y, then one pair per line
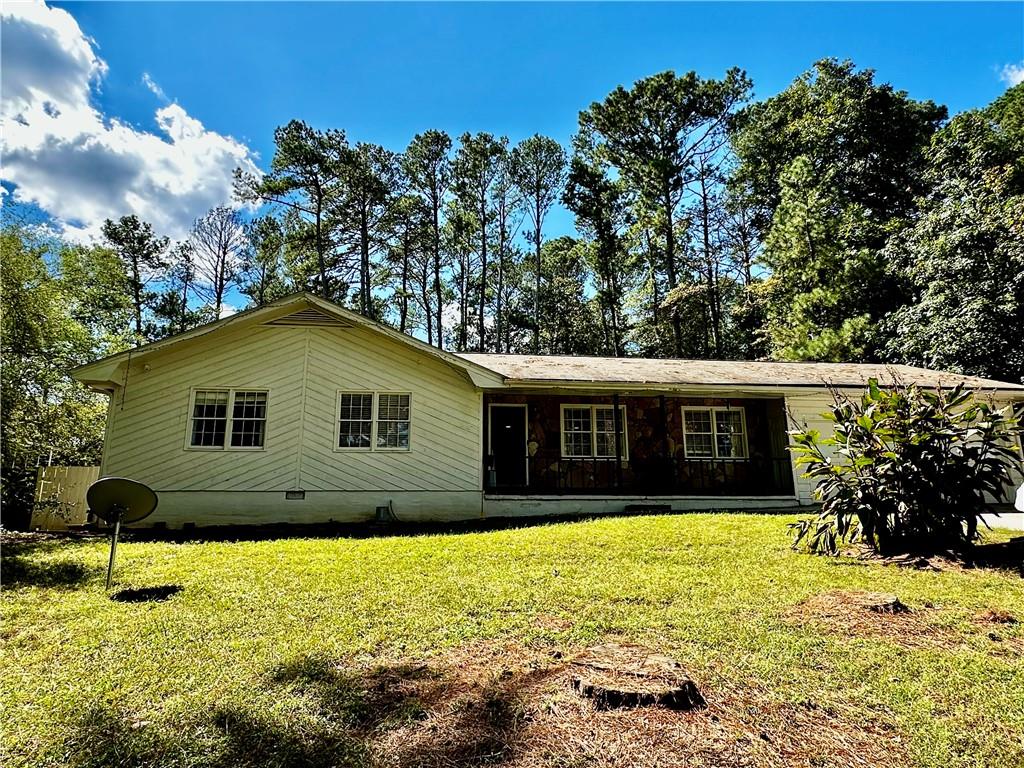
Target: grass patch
x,y
450,649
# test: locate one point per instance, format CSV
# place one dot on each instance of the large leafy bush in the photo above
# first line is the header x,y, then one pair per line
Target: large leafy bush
x,y
907,469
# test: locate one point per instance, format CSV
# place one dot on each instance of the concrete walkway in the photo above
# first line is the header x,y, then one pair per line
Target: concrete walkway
x,y
1013,520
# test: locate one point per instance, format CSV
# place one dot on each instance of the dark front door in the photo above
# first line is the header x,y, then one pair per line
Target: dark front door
x,y
508,445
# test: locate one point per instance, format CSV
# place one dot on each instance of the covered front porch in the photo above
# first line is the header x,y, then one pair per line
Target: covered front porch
x,y
638,445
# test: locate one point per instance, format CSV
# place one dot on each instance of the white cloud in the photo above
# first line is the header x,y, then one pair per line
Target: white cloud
x,y
153,87
1012,74
82,166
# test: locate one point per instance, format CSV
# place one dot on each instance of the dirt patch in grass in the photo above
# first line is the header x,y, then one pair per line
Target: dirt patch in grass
x,y
853,613
1000,555
513,706
997,616
848,613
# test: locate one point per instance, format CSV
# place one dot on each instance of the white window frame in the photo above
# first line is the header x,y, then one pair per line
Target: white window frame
x,y
230,417
711,410
592,407
337,420
374,413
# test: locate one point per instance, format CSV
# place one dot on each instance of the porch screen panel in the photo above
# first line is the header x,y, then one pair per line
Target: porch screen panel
x,y
355,420
576,432
604,431
714,433
209,418
730,440
698,434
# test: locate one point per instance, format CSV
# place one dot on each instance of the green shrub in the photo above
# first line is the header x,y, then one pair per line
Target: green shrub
x,y
907,469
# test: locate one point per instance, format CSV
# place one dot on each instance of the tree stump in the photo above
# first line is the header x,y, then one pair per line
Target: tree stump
x,y
879,602
620,676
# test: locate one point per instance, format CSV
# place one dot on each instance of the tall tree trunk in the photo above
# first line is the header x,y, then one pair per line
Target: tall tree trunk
x,y
403,303
436,205
616,324
183,304
670,264
364,265
482,347
712,284
536,295
137,299
655,299
498,324
462,341
605,307
219,281
426,301
321,255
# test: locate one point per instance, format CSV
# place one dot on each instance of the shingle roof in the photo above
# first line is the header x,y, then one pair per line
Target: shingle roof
x,y
633,370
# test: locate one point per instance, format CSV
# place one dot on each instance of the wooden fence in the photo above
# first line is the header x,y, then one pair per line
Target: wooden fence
x,y
60,497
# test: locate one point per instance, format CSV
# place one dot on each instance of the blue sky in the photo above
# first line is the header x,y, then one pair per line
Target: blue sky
x,y
385,72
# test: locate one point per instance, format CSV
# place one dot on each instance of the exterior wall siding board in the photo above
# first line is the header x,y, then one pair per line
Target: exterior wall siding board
x,y
149,422
443,454
805,412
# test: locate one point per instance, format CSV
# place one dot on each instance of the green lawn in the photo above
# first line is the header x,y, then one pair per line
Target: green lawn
x,y
345,651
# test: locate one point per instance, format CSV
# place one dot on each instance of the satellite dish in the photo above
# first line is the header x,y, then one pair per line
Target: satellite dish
x,y
117,500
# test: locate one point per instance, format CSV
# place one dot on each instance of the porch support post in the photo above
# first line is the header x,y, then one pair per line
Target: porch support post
x,y
617,417
664,440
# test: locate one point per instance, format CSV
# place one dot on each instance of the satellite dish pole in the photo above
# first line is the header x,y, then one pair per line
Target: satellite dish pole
x,y
116,500
113,546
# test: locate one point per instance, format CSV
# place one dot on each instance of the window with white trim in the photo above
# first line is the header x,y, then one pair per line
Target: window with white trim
x,y
714,433
235,416
392,421
588,431
355,425
374,420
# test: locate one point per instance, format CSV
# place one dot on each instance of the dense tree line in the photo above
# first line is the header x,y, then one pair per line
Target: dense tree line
x,y
837,220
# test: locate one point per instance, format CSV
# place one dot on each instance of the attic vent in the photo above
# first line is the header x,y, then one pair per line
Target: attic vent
x,y
310,317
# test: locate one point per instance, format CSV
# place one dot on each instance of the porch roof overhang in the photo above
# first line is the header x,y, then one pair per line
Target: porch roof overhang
x,y
648,389
677,376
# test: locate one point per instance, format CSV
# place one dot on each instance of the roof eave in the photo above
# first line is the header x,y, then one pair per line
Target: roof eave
x,y
512,382
105,372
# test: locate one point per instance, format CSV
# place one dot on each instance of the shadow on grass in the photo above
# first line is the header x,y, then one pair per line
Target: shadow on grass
x,y
1003,555
412,714
364,700
390,715
146,594
1006,556
24,562
370,529
226,738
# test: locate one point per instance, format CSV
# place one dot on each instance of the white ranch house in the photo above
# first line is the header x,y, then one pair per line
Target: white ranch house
x,y
304,412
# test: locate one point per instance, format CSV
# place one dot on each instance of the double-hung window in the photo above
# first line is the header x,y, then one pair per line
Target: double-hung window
x,y
378,421
228,418
588,431
714,433
356,420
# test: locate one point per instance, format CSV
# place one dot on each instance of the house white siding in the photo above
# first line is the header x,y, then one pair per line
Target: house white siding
x,y
303,352
806,409
302,370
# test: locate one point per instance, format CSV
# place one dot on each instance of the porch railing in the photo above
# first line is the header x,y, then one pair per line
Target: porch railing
x,y
651,477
